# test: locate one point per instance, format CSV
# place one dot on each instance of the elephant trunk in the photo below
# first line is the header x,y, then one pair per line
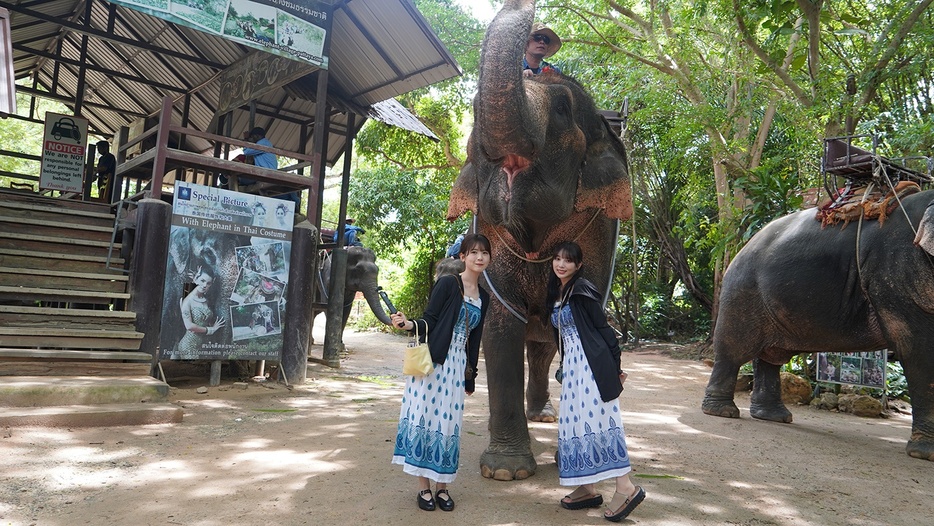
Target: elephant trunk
x,y
506,136
372,299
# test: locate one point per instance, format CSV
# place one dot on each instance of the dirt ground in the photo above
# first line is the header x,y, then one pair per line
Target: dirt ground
x,y
319,454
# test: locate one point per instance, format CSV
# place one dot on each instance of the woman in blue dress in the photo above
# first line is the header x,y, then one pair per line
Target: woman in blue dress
x,y
430,422
591,441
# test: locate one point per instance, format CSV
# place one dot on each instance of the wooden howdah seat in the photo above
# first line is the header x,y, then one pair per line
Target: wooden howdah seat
x,y
872,184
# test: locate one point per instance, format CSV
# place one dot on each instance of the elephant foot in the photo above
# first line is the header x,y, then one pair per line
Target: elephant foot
x,y
545,414
723,408
773,413
506,467
919,447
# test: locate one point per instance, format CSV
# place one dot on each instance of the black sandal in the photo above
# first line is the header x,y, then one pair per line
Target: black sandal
x,y
426,504
630,504
445,504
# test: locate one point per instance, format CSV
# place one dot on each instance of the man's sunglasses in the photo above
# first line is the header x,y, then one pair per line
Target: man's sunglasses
x,y
542,38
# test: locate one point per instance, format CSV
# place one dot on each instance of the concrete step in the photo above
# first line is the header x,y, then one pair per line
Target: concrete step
x,y
44,391
132,414
22,367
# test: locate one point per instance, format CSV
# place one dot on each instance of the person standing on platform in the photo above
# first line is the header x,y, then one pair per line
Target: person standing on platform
x,y
105,172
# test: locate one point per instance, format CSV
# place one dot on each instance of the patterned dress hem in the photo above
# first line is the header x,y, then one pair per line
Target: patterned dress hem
x,y
430,474
592,479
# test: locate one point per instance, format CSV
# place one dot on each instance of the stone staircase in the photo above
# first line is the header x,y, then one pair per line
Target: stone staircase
x,y
69,352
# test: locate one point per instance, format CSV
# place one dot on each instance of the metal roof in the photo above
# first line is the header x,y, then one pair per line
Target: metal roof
x,y
379,49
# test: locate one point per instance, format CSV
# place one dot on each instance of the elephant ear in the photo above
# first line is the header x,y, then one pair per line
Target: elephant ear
x,y
180,251
925,235
464,193
604,179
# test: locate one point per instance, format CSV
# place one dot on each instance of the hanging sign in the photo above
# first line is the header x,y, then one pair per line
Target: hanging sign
x,y
291,28
63,150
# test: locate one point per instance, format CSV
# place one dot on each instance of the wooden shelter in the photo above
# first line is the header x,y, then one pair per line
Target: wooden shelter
x,y
174,100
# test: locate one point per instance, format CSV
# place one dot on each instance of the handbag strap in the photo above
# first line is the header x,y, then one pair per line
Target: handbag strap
x,y
464,306
417,339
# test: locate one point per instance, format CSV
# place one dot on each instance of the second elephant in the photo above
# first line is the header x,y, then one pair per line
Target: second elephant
x,y
362,276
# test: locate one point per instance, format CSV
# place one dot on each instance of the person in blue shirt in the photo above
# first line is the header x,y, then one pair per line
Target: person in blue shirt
x,y
455,249
266,160
351,234
261,158
543,43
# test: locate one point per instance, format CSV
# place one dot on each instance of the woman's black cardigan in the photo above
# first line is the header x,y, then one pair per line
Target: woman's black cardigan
x,y
440,316
597,338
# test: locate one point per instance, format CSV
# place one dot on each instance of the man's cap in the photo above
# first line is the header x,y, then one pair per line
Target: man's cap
x,y
552,47
258,131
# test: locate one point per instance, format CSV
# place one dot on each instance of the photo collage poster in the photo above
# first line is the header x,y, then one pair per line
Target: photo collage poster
x,y
857,368
292,29
226,275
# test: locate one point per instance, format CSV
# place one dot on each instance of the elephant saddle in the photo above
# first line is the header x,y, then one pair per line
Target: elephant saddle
x,y
867,202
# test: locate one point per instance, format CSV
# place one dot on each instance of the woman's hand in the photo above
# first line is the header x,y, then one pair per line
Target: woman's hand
x,y
399,320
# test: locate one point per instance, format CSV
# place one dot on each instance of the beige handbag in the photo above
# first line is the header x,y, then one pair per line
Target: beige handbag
x,y
417,361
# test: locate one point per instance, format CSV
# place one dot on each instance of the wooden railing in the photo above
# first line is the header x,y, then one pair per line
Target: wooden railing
x,y
152,164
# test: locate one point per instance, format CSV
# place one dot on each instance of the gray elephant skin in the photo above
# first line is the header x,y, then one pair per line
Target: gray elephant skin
x,y
543,167
362,276
799,288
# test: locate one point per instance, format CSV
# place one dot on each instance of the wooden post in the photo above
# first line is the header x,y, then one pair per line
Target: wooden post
x,y
215,373
299,301
147,279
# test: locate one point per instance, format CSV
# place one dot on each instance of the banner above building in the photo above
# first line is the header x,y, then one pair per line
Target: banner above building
x,y
294,29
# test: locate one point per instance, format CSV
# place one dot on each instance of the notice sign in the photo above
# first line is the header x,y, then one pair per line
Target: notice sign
x,y
63,151
226,275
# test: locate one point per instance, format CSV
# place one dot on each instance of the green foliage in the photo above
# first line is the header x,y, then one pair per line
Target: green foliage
x,y
399,193
896,385
670,316
801,365
25,137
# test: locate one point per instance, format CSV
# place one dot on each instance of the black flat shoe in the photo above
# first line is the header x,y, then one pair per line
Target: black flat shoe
x,y
445,504
426,504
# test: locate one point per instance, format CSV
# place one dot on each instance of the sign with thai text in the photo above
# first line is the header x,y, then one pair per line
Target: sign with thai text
x,y
63,151
294,29
226,275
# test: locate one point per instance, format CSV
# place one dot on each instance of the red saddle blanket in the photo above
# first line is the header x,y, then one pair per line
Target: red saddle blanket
x,y
855,203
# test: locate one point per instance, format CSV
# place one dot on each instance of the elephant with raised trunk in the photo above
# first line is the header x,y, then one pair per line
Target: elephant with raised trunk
x,y
543,167
798,287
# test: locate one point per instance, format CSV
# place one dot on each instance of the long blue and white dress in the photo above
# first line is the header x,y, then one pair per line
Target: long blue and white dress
x,y
591,441
428,438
